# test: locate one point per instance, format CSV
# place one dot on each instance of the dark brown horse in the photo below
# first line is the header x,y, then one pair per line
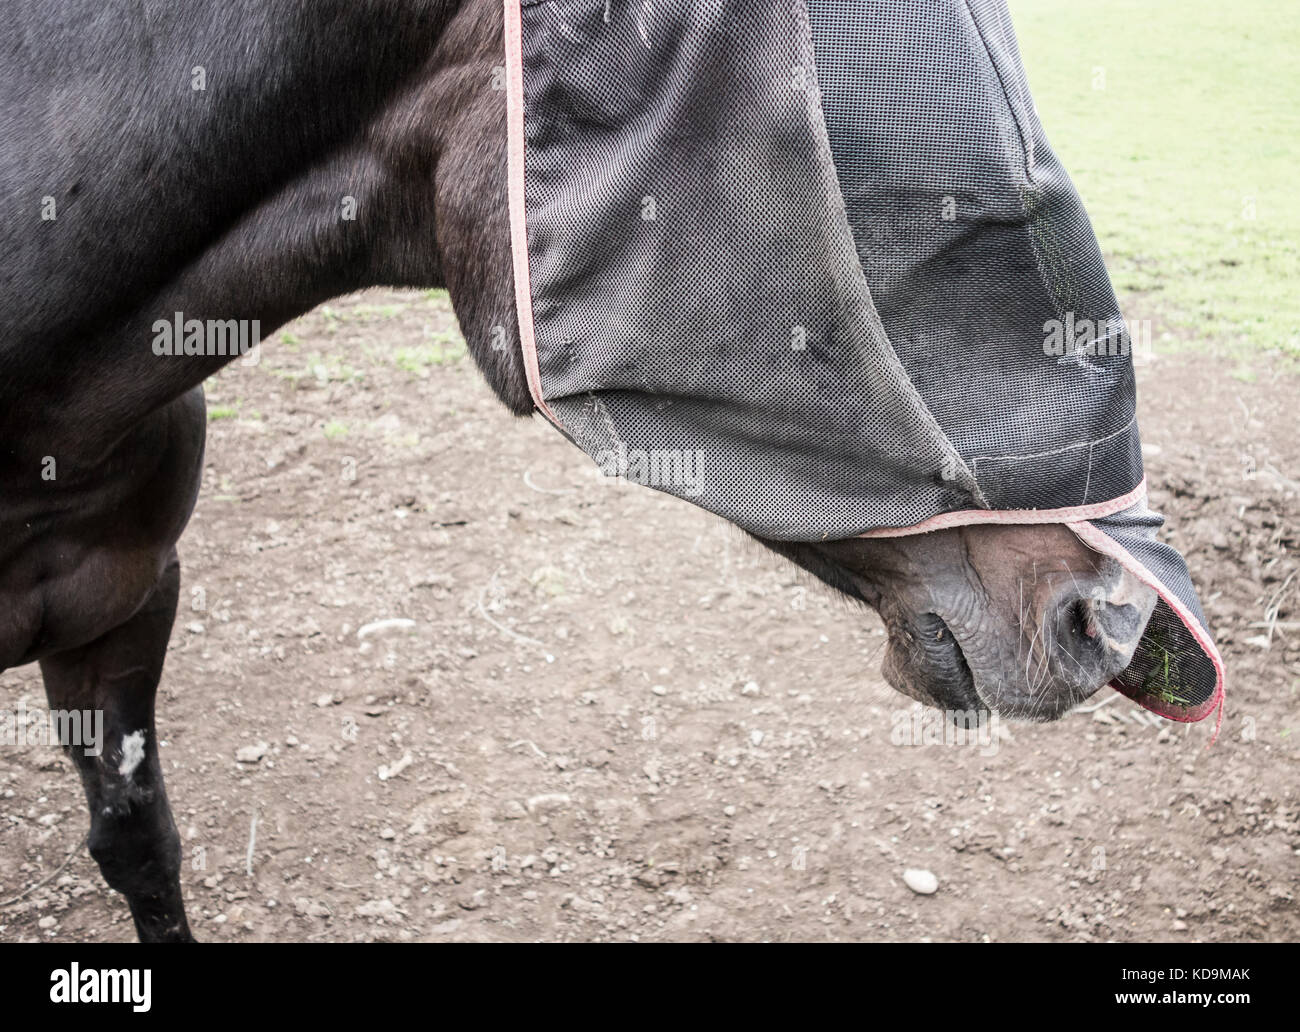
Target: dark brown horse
x,y
247,160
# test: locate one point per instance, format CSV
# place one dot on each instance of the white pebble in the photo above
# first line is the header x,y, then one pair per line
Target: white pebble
x,y
922,882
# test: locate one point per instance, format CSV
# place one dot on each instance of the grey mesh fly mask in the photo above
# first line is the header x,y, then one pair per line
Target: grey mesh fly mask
x,y
813,265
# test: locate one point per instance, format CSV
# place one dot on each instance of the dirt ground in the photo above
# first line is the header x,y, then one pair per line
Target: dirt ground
x,y
613,718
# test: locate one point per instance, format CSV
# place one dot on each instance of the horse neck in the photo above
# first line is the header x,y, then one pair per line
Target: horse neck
x,y
205,115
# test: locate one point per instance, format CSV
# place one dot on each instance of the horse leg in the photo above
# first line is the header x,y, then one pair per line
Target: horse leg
x,y
132,835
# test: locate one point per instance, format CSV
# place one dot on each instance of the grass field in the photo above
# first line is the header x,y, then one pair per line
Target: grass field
x,y
1179,121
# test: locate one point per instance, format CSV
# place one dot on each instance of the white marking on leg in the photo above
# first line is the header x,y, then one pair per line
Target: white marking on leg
x,y
132,753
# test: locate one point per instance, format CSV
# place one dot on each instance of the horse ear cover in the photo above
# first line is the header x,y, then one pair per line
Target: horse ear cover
x,y
813,265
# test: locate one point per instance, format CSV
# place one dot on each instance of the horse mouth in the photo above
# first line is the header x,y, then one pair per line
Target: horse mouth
x,y
958,687
935,659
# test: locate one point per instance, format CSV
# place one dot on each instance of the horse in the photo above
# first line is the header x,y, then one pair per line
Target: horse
x,y
245,161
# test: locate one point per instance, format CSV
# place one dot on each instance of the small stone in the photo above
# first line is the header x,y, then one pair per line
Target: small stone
x,y
384,909
381,626
547,802
252,753
513,810
309,907
475,901
389,771
922,882
46,923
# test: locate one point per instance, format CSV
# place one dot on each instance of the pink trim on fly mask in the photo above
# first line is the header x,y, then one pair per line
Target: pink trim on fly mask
x,y
973,517
514,47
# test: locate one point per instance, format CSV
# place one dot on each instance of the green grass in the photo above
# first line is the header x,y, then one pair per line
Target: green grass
x,y
367,312
1163,678
445,347
323,368
1195,128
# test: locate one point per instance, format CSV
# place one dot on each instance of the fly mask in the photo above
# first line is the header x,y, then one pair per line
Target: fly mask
x,y
812,265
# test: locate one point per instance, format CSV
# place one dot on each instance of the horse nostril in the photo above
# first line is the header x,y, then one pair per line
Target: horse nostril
x,y
1097,636
1122,624
1081,622
1115,625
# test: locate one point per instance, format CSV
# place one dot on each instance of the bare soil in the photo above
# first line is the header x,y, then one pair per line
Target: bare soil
x,y
614,718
